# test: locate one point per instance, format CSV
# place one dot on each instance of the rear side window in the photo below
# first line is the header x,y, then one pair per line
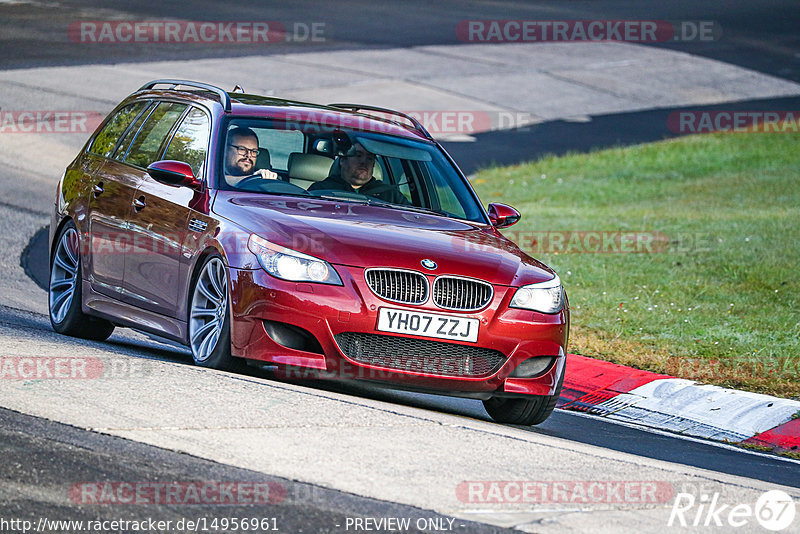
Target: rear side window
x,y
108,137
151,136
190,142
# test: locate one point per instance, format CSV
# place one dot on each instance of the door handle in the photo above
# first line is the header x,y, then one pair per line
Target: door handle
x,y
97,189
139,204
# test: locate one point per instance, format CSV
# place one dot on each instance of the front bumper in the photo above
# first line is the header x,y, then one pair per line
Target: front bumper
x,y
325,312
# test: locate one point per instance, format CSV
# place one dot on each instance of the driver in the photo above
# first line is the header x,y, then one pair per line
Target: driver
x,y
354,174
240,157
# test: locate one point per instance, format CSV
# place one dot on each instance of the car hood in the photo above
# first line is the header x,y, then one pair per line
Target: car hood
x,y
348,233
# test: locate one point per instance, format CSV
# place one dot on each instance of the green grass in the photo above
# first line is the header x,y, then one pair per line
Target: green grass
x,y
718,300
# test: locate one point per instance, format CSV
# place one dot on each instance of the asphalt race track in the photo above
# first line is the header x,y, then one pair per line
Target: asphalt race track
x,y
760,36
329,452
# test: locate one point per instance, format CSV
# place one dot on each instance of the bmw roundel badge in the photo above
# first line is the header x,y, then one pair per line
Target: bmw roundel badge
x,y
429,264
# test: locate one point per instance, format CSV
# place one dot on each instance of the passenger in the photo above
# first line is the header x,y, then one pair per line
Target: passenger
x,y
354,174
241,155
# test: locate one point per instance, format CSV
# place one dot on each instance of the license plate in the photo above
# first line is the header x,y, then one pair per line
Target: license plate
x,y
428,324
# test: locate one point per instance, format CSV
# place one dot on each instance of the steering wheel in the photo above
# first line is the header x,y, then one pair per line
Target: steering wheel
x,y
254,183
257,184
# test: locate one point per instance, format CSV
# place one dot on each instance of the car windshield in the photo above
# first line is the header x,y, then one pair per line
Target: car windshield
x,y
310,159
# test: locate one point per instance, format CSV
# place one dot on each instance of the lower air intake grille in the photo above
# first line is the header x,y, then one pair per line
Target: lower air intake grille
x,y
419,355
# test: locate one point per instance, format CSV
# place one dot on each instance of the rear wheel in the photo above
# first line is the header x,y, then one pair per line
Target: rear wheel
x,y
64,293
209,320
524,411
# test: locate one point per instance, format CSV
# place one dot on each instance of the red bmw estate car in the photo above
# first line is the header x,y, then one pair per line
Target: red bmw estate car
x,y
339,238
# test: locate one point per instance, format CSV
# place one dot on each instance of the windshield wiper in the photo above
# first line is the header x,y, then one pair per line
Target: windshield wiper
x,y
372,201
410,207
364,201
298,195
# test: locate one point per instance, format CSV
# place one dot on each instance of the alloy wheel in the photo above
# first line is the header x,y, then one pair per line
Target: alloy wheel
x,y
209,306
64,275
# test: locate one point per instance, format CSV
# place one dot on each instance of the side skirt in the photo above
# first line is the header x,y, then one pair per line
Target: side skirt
x,y
126,315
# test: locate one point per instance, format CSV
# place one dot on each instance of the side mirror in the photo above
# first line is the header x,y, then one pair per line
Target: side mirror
x,y
175,173
502,215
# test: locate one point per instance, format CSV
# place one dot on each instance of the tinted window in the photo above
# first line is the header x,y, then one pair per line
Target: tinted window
x,y
107,139
151,136
190,142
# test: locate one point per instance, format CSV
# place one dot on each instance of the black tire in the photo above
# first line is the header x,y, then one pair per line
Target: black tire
x,y
64,295
524,411
210,345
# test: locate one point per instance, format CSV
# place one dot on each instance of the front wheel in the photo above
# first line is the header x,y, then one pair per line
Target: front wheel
x,y
209,320
524,411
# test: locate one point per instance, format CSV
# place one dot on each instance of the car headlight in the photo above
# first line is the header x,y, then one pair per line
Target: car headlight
x,y
545,297
288,264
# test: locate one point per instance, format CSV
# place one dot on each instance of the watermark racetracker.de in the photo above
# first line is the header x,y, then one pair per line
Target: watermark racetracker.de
x,y
70,368
599,242
193,32
733,121
436,121
564,492
466,121
49,121
597,30
221,493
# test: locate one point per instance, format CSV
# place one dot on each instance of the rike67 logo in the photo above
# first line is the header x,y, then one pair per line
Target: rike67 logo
x,y
774,510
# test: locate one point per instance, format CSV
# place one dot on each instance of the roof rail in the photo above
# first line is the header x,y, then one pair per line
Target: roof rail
x,y
224,97
416,124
